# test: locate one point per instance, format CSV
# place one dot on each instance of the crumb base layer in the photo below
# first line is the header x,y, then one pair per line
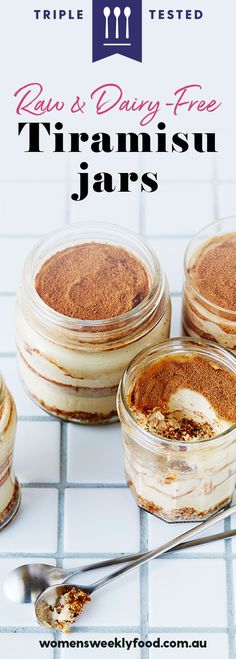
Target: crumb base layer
x,y
77,416
180,515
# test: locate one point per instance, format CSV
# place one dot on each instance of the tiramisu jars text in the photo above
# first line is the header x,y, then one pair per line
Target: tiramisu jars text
x,y
91,297
209,304
177,406
9,486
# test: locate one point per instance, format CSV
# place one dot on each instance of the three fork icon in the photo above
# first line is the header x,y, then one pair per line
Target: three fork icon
x,y
117,13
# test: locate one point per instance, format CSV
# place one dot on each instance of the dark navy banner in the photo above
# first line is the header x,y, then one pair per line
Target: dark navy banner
x,y
117,28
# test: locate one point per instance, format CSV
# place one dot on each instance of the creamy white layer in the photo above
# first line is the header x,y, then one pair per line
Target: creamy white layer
x,y
184,404
46,368
201,322
7,437
176,488
198,477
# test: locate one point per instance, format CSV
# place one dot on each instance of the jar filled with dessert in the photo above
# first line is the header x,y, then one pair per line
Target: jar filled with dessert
x,y
9,486
177,407
209,298
91,297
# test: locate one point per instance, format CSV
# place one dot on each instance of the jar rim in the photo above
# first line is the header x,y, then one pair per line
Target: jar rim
x,y
205,300
56,318
184,344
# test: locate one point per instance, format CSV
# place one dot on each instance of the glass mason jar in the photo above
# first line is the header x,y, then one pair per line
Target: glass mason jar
x,y
72,367
201,317
9,486
177,480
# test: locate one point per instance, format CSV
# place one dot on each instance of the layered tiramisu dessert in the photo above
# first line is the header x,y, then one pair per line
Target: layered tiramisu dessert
x,y
9,486
177,406
209,307
86,307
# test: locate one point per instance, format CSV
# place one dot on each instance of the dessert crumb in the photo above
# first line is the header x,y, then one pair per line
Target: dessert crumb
x,y
68,607
176,426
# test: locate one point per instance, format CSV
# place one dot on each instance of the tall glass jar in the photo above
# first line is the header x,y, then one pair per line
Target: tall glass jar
x,y
202,317
177,480
9,485
72,367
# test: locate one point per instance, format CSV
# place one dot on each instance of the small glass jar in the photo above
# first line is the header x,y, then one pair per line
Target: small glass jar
x,y
177,480
9,486
72,367
201,317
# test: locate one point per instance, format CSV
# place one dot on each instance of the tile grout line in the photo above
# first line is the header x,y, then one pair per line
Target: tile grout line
x,y
75,485
121,629
61,511
229,591
63,475
144,595
103,555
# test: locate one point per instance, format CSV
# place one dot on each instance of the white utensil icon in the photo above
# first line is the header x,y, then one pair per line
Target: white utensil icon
x,y
127,13
106,12
117,13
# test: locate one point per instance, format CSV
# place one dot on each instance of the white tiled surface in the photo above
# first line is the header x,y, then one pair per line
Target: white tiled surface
x,y
160,532
95,457
176,589
27,646
76,506
103,515
35,528
217,646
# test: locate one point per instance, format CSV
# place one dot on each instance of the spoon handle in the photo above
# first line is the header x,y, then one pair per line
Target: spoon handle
x,y
127,28
164,548
117,26
129,558
106,29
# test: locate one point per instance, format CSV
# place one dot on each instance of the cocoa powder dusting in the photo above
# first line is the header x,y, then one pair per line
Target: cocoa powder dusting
x,y
154,387
92,281
214,271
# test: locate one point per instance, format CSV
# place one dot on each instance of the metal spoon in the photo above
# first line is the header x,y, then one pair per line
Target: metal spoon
x,y
24,584
51,595
127,13
106,12
117,13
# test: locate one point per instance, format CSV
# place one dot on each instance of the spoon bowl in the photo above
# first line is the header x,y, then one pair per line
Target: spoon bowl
x,y
24,584
106,12
127,12
49,599
117,12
